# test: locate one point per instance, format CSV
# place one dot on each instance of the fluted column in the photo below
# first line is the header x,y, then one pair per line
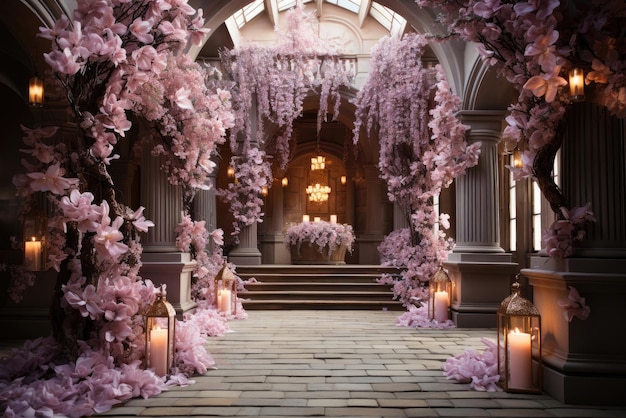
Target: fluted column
x,y
400,220
163,203
246,253
162,262
480,270
204,207
584,361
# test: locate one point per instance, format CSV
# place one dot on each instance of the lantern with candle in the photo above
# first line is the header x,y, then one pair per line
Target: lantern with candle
x,y
226,290
576,85
440,287
519,343
34,233
160,335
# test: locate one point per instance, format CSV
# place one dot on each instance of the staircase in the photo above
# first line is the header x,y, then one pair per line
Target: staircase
x,y
317,287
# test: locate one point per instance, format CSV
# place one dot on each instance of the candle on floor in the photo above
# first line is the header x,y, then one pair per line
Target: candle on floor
x,y
519,359
225,303
305,218
441,306
158,351
333,219
32,254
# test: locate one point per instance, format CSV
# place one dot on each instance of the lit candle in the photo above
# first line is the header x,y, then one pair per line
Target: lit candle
x,y
333,219
305,218
158,351
441,306
225,304
32,254
519,359
317,219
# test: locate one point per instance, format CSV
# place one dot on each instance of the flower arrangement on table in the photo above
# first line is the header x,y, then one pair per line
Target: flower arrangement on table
x,y
326,236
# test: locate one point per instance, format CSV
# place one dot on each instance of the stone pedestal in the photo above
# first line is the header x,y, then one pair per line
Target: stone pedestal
x,y
584,360
479,283
173,270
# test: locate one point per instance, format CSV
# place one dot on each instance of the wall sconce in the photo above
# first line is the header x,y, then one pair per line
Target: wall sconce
x,y
35,91
284,181
160,335
34,233
343,180
576,85
226,290
519,343
265,191
517,158
230,171
440,287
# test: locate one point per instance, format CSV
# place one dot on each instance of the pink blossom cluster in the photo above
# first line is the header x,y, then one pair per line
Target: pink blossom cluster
x,y
535,44
480,370
252,173
411,110
559,238
326,236
417,317
118,58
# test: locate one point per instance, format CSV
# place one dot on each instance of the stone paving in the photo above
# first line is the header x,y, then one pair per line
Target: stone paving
x,y
341,364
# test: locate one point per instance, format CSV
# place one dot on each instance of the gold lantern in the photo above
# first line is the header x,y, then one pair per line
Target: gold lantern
x,y
576,85
519,343
226,290
34,233
440,287
160,335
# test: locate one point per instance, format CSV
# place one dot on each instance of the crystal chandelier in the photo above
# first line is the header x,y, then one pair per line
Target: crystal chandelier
x,y
318,163
318,193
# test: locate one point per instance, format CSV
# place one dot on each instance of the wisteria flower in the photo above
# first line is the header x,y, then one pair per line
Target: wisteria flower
x,y
574,306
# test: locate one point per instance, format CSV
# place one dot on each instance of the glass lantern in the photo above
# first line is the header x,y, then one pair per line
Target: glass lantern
x,y
519,343
160,335
226,290
34,233
440,287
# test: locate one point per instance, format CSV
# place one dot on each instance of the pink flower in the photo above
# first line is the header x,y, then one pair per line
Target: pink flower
x,y
574,306
546,84
181,98
141,30
544,50
140,222
52,180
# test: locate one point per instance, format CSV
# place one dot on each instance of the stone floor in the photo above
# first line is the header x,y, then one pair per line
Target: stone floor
x,y
341,364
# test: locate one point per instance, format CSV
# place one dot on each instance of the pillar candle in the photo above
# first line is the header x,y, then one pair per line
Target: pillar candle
x,y
32,255
333,219
225,302
158,351
305,218
441,306
317,219
519,360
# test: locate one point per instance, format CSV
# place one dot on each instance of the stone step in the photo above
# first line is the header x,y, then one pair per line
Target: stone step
x,y
317,287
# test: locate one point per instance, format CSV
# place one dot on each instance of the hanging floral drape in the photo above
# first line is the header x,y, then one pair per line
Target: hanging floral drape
x,y
271,85
411,110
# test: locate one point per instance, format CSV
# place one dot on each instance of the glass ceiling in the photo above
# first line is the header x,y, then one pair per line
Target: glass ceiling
x,y
389,19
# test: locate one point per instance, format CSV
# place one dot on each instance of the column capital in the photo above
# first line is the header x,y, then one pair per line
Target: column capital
x,y
483,120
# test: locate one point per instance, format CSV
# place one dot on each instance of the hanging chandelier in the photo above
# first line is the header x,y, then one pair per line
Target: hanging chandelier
x,y
318,193
318,163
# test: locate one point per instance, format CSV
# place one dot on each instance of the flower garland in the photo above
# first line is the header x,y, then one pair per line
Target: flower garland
x,y
327,236
422,149
533,44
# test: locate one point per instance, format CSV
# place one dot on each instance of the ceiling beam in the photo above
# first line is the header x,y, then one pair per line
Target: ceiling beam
x,y
271,8
364,11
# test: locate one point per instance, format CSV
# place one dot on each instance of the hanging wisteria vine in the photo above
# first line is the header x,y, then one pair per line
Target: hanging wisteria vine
x,y
422,149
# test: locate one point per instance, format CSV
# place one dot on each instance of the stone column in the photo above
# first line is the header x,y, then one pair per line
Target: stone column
x,y
480,270
272,242
584,359
400,220
162,262
246,253
204,207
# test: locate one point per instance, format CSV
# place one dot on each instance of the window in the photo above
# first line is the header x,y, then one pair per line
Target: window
x,y
392,21
512,211
249,12
539,203
352,5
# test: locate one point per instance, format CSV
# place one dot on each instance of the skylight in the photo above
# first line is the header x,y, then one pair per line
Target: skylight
x,y
389,19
